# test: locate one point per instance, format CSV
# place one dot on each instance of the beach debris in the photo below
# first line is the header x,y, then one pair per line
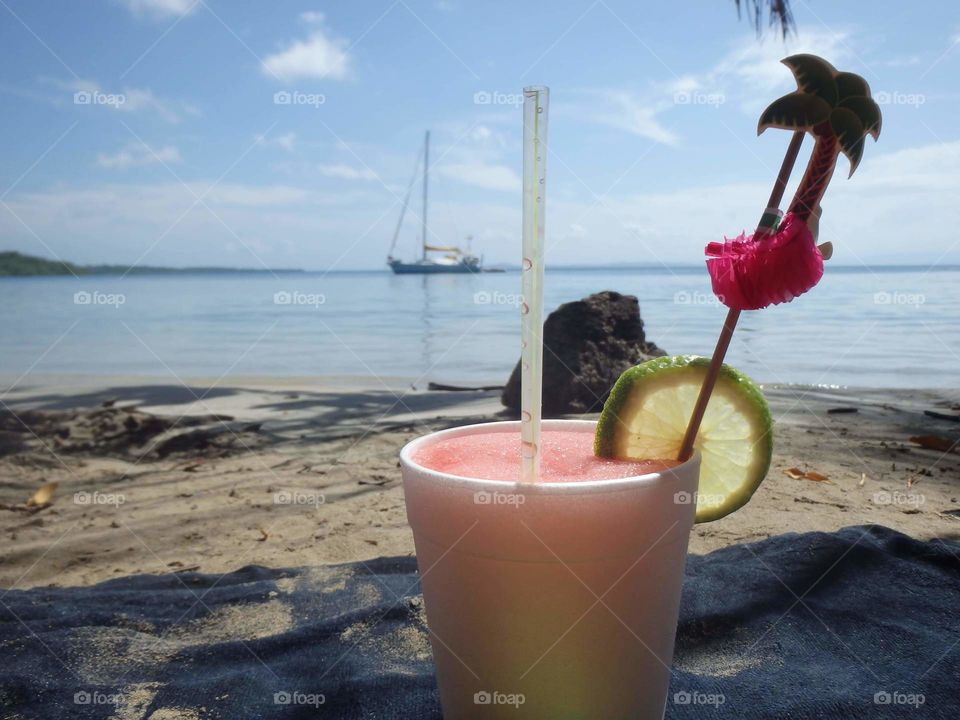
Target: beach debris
x,y
375,480
123,432
41,499
941,416
809,501
311,469
798,474
43,496
588,344
863,480
842,410
462,388
936,442
264,535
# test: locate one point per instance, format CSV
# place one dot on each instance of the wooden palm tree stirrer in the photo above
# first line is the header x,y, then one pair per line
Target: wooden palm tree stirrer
x,y
781,260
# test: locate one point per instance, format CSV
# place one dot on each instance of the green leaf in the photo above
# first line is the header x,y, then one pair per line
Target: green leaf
x,y
868,111
796,111
850,133
851,85
815,76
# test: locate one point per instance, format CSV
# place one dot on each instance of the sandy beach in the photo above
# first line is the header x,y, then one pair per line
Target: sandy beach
x,y
154,476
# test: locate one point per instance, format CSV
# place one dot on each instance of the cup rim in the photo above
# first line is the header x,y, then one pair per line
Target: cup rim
x,y
551,488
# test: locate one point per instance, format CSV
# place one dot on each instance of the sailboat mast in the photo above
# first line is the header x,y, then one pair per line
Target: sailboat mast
x,y
426,167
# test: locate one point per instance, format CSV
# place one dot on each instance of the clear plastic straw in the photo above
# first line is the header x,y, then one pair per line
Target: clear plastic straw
x,y
536,103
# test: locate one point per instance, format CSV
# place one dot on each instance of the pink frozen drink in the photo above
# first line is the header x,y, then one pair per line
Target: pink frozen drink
x,y
556,599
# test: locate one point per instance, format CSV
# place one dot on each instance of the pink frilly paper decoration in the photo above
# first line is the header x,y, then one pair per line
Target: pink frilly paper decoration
x,y
764,269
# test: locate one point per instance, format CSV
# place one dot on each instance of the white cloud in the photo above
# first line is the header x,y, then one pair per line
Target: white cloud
x,y
286,142
318,56
750,73
161,8
900,62
137,154
128,100
137,100
488,177
481,133
346,172
626,111
262,196
753,73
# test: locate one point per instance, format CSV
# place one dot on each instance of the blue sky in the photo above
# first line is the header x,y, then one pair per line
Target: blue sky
x,y
182,156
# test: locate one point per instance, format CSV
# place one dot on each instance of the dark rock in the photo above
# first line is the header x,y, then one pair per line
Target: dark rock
x,y
587,345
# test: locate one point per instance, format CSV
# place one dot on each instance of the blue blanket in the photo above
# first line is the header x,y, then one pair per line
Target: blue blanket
x,y
861,623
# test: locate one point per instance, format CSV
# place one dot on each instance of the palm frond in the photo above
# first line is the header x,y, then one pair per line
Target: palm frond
x,y
850,134
867,111
851,85
814,76
795,111
778,11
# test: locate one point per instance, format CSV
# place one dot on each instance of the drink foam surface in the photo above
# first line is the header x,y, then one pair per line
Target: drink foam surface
x,y
566,456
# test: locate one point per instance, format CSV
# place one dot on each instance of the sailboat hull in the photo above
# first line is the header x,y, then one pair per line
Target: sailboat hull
x,y
431,268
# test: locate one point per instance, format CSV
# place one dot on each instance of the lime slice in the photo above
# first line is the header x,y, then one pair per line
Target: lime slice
x,y
647,413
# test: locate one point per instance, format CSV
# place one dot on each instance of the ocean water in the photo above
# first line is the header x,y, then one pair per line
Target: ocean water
x,y
882,327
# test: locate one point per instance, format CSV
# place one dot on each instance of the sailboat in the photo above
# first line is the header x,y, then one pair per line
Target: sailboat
x,y
452,259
